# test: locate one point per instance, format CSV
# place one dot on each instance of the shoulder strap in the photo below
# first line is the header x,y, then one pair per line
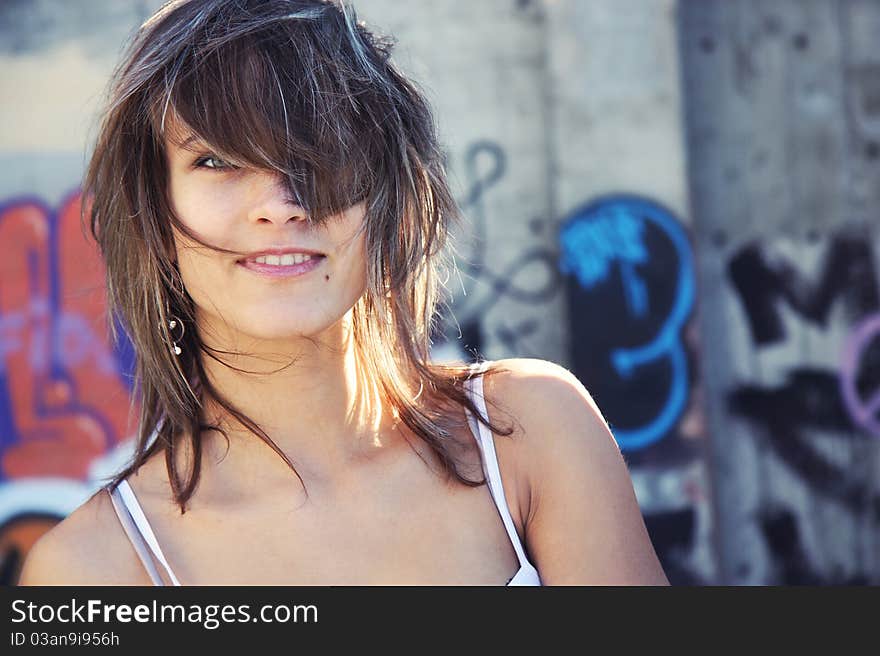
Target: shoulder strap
x,y
138,529
136,539
474,387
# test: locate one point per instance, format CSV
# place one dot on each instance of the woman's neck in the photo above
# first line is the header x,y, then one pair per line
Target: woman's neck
x,y
309,396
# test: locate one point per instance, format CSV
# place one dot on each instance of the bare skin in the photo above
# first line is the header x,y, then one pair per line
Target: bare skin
x,y
387,520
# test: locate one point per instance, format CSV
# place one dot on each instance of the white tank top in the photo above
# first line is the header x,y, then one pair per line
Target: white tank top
x,y
141,535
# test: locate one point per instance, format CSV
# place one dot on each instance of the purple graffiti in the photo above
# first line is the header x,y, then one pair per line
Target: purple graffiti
x,y
76,342
863,411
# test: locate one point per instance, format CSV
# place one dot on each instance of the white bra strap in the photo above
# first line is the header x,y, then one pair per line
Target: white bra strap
x,y
134,536
490,464
140,520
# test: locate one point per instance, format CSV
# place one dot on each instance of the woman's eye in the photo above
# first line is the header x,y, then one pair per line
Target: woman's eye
x,y
214,163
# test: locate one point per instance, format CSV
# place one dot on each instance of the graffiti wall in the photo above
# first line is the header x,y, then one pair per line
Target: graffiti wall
x,y
630,285
815,417
64,389
526,277
627,260
65,415
784,184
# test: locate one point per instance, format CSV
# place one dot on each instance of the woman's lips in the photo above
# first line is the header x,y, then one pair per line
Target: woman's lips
x,y
282,270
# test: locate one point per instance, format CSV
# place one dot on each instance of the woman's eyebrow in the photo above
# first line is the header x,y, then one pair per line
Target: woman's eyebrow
x,y
184,145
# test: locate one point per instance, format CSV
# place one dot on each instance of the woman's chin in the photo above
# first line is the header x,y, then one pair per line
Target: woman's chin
x,y
255,326
283,331
281,334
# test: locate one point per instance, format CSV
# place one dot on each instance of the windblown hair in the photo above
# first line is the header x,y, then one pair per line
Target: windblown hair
x,y
300,88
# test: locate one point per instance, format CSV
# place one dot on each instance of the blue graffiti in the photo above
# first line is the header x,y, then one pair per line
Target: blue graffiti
x,y
612,235
611,231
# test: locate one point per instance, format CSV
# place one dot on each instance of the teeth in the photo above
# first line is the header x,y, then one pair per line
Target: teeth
x,y
283,260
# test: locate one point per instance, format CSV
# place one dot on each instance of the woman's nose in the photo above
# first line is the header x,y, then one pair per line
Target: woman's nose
x,y
271,201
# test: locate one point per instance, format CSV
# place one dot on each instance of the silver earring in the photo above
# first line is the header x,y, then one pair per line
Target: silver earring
x,y
174,322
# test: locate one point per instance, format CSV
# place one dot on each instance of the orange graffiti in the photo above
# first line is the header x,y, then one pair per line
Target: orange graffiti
x,y
67,399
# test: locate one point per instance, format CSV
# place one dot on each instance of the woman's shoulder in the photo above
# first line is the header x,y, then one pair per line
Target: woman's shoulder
x,y
540,393
88,547
553,416
556,418
578,481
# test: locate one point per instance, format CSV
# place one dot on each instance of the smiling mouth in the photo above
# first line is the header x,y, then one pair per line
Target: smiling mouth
x,y
282,265
283,260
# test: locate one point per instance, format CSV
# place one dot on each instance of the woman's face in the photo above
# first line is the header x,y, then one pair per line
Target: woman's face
x,y
275,296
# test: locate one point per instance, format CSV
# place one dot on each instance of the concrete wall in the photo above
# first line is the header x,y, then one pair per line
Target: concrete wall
x,y
484,70
782,115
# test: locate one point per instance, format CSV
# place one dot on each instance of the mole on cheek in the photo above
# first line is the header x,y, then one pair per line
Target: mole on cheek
x,y
326,277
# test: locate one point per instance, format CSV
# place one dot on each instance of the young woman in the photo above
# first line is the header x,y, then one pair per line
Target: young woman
x,y
269,198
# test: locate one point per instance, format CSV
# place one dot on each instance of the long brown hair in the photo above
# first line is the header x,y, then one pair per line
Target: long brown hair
x,y
303,89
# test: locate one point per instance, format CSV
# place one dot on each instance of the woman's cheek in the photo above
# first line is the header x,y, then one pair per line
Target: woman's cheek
x,y
209,216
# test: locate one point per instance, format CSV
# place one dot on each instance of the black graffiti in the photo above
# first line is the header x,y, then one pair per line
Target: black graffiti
x,y
16,536
761,278
529,276
504,282
514,336
472,337
10,566
808,405
781,533
672,535
808,400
